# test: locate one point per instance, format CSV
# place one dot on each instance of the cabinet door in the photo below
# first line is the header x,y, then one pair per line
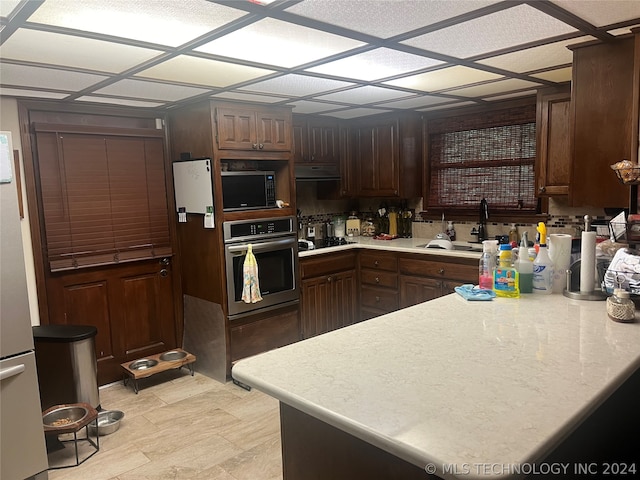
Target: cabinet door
x,y
299,141
324,141
343,296
378,160
554,146
315,306
236,129
603,122
274,131
414,290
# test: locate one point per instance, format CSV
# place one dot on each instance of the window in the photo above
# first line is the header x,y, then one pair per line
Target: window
x,y
103,198
489,155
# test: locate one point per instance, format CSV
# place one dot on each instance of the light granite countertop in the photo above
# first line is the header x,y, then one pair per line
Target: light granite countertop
x,y
406,245
452,383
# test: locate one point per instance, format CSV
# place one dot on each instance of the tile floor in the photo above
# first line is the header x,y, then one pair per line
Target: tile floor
x,y
181,427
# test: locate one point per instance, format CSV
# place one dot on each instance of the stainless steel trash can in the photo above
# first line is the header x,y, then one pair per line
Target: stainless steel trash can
x,y
66,362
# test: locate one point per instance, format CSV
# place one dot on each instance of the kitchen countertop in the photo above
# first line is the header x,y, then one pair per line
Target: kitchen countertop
x,y
457,383
407,245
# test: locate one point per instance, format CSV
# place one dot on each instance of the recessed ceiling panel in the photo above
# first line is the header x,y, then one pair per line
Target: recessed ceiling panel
x,y
308,107
601,13
544,56
49,78
493,87
375,64
443,78
356,112
150,90
507,28
165,22
69,51
201,71
363,95
273,42
248,97
557,75
296,85
386,18
119,101
416,102
7,6
16,92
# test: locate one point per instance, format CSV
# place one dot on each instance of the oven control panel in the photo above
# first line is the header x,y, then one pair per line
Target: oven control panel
x,y
243,229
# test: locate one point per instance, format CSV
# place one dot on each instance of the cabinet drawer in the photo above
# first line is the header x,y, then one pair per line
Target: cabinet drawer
x,y
379,278
325,264
379,261
439,269
379,298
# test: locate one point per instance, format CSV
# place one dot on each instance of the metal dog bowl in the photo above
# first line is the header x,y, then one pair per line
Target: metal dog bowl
x,y
108,422
143,364
172,355
63,416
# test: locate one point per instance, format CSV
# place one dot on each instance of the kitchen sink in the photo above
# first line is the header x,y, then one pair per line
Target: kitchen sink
x,y
460,246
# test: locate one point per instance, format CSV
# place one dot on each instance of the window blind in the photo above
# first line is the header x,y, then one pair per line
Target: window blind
x,y
103,199
489,155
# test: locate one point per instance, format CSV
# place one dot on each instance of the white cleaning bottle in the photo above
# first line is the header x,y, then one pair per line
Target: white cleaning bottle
x,y
542,270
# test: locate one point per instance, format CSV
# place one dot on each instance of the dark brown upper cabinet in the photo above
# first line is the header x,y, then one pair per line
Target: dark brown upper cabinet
x,y
316,140
258,129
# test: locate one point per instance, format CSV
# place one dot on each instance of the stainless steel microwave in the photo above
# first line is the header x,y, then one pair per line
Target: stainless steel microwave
x,y
248,190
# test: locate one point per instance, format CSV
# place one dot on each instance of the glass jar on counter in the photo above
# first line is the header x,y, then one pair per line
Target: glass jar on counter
x,y
620,307
368,227
339,227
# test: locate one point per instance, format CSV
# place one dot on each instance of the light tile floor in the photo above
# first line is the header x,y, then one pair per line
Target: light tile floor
x,y
180,427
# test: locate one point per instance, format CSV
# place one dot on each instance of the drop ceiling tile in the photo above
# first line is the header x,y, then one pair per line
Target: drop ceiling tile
x,y
202,71
7,6
601,13
524,93
536,58
49,78
273,42
417,102
493,87
368,94
248,97
507,28
119,101
384,19
375,64
449,105
296,85
557,75
356,112
165,22
308,107
150,90
16,92
69,51
443,78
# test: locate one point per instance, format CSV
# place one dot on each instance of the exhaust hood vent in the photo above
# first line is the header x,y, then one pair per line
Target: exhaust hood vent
x,y
316,172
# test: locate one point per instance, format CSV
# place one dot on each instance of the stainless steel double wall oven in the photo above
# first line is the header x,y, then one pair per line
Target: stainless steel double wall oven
x,y
275,246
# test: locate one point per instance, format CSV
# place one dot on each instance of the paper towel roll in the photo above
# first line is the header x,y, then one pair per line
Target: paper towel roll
x,y
560,255
588,262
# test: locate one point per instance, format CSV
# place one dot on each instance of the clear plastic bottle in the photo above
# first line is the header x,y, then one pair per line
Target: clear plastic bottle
x,y
524,267
513,236
542,271
487,265
505,277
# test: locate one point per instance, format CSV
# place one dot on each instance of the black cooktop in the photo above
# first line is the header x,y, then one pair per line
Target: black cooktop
x,y
326,242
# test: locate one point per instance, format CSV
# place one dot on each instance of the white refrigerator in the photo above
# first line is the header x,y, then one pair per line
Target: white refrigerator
x,y
22,445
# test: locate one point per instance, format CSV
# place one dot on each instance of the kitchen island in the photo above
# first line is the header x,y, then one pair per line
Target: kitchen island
x,y
462,390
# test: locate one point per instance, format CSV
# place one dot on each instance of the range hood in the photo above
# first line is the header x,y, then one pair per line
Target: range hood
x,y
317,172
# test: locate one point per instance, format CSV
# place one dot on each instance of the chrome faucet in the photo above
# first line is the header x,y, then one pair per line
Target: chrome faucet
x,y
484,216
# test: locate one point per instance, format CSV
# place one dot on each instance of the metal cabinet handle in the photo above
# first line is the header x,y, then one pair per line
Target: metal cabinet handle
x,y
164,272
254,146
165,261
376,263
542,189
377,299
329,279
12,371
260,146
441,271
377,280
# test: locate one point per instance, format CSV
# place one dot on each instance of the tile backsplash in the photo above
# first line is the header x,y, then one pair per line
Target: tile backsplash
x,y
562,218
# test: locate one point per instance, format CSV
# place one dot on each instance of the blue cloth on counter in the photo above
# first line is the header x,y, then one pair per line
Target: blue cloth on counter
x,y
472,292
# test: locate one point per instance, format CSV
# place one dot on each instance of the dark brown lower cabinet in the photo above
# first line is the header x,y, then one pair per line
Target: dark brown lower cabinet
x,y
131,305
328,299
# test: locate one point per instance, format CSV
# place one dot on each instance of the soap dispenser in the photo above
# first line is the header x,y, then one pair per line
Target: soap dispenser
x,y
513,236
451,232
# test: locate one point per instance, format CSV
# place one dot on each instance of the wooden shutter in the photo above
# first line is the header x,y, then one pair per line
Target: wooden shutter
x,y
103,198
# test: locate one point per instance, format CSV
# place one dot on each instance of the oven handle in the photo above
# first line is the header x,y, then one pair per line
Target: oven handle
x,y
256,247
